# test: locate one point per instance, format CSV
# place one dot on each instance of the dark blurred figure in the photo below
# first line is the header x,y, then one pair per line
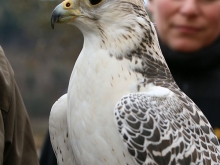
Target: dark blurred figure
x,y
47,156
17,145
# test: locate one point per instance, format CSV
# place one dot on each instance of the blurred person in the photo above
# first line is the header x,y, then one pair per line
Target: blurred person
x,y
17,145
189,35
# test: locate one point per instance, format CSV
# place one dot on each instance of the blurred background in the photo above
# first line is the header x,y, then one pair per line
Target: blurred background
x,y
42,58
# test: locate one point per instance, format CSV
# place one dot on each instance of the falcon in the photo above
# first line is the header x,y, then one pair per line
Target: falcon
x,y
123,106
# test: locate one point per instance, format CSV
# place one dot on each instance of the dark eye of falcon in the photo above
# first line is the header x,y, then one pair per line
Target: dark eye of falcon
x,y
68,4
94,2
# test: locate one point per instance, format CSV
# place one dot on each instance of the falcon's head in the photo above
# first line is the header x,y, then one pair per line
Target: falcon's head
x,y
119,26
87,13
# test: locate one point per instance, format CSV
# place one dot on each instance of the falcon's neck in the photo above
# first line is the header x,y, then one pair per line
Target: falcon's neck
x,y
134,40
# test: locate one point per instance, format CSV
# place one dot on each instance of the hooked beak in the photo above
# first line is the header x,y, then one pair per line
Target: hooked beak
x,y
64,12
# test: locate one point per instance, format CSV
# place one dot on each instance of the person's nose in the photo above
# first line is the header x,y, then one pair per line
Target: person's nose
x,y
190,8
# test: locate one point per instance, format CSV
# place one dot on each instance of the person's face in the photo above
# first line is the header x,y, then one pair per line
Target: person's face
x,y
186,25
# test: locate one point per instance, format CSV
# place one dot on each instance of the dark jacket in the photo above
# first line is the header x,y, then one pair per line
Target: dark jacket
x,y
198,75
16,139
47,154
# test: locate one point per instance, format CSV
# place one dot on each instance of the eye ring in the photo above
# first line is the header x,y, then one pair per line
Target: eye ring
x,y
95,2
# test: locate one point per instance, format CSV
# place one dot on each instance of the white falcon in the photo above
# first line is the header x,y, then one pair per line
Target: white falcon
x,y
123,106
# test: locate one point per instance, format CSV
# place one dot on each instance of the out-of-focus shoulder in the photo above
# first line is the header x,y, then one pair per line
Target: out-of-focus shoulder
x,y
6,81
